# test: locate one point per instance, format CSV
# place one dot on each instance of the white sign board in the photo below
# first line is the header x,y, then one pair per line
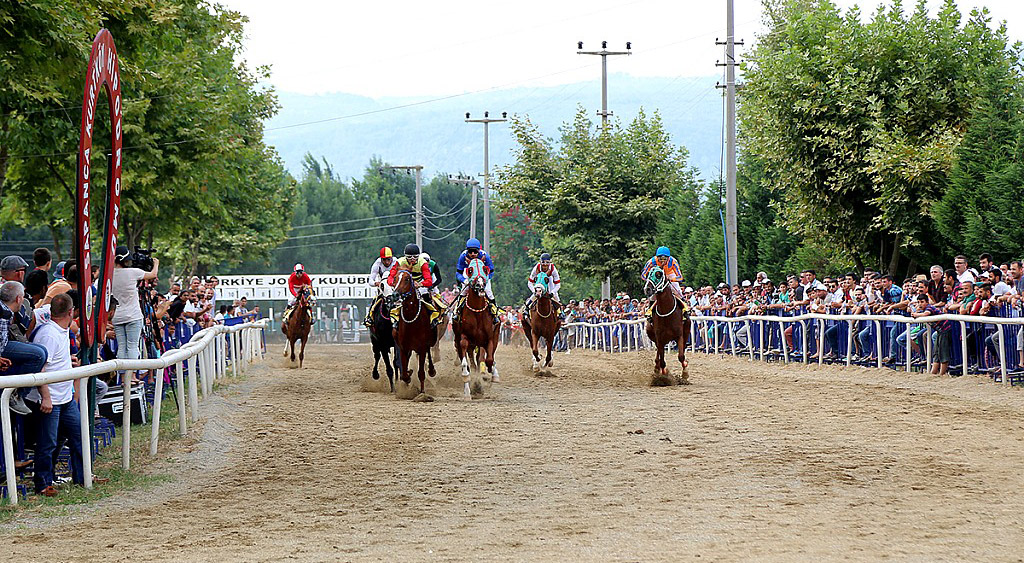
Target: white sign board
x,y
275,288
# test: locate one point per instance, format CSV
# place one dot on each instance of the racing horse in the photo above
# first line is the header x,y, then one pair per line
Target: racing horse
x,y
413,332
382,339
543,321
669,322
475,328
298,325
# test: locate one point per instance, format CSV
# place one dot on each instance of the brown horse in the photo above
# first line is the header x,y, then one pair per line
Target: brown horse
x,y
476,328
669,323
413,332
298,325
543,322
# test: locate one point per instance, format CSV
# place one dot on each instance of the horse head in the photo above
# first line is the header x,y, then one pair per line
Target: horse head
x,y
540,285
477,276
655,282
403,280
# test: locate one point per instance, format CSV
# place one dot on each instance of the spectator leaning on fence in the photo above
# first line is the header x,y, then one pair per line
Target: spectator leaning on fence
x,y
16,357
56,411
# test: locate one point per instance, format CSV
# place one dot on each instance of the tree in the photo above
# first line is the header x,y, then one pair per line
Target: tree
x,y
981,211
193,128
599,196
857,124
517,247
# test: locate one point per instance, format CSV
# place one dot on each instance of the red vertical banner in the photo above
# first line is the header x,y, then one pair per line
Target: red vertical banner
x,y
103,72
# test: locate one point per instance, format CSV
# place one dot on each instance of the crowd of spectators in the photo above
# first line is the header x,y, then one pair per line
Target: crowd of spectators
x,y
989,290
39,333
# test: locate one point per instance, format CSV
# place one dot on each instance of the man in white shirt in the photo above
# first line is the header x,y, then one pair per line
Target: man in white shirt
x,y
54,404
962,273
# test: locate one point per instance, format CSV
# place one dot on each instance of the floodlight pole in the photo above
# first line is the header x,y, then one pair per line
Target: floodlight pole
x,y
606,285
487,120
732,250
475,186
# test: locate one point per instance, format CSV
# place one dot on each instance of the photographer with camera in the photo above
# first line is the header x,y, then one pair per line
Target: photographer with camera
x,y
128,318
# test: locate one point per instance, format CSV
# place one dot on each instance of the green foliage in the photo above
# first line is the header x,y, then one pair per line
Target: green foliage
x,y
599,196
198,182
340,226
857,124
981,211
516,247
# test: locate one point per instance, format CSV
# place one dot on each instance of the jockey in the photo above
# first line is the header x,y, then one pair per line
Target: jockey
x,y
473,251
553,281
420,270
435,279
378,275
296,282
664,260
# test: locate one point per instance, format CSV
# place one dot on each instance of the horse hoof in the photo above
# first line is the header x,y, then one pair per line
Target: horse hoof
x,y
423,398
495,378
376,376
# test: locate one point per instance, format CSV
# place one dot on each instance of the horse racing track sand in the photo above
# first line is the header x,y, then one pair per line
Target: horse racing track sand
x,y
751,461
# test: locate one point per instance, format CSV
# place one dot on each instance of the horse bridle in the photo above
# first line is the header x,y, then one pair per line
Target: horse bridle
x,y
403,296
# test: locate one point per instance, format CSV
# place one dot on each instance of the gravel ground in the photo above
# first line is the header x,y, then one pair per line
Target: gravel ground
x,y
751,461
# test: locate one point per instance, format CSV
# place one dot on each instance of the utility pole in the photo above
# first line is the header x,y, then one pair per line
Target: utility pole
x,y
468,181
487,120
419,199
731,273
606,285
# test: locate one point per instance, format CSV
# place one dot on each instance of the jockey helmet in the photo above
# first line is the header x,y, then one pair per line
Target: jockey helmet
x,y
411,250
545,257
663,251
473,243
299,269
386,252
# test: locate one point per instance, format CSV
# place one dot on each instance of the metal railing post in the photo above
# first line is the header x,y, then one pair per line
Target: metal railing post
x,y
84,416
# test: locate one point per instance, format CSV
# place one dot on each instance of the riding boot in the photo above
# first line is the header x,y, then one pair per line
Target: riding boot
x,y
368,319
495,312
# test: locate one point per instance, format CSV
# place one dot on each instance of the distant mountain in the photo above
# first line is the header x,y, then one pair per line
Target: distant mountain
x,y
433,133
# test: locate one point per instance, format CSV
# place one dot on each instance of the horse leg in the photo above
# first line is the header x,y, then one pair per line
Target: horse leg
x,y
302,351
463,349
534,343
376,359
403,361
292,357
430,364
388,368
681,344
490,360
421,375
550,343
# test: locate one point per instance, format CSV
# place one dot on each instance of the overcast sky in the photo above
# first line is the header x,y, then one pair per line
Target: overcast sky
x,y
402,48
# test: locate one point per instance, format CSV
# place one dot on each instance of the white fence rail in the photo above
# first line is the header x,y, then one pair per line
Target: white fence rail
x,y
207,351
629,335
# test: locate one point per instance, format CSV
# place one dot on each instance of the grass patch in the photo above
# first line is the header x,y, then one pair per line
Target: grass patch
x,y
143,474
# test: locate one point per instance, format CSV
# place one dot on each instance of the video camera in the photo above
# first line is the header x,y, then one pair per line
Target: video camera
x,y
142,258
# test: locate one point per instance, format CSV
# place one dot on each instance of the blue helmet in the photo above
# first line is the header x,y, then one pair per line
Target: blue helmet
x,y
473,243
663,251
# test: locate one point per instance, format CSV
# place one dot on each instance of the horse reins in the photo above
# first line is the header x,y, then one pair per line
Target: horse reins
x,y
419,302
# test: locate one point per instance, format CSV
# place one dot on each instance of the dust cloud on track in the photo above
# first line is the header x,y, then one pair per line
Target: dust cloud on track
x,y
751,461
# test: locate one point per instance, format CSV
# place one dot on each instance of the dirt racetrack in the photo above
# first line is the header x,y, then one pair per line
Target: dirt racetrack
x,y
752,461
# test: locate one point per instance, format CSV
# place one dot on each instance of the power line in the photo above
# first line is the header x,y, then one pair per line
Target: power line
x,y
364,229
450,233
371,237
310,226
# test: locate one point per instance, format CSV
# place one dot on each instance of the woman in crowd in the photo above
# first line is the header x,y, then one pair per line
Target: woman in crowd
x,y
128,317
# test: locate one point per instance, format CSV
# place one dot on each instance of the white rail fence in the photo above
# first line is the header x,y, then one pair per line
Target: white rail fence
x,y
207,355
628,335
